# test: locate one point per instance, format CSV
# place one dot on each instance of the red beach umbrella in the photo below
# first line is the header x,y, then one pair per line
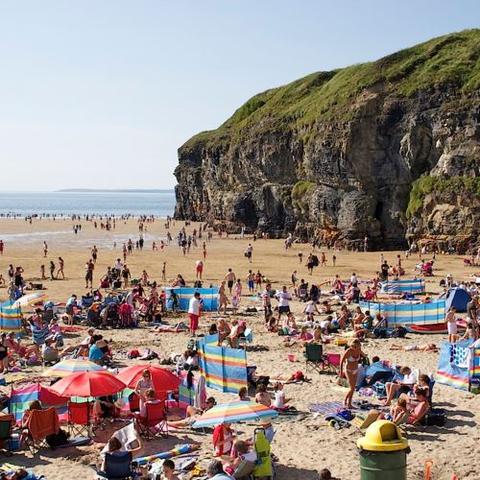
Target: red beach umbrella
x,y
163,380
88,384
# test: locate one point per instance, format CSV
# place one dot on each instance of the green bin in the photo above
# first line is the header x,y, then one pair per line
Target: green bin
x,y
383,452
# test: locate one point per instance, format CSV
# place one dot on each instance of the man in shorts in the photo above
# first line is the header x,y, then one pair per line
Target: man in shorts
x,y
230,278
283,298
194,312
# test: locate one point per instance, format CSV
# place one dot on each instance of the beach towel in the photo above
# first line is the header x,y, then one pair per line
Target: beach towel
x,y
127,436
326,408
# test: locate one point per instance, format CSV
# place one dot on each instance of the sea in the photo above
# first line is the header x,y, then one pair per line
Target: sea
x,y
160,203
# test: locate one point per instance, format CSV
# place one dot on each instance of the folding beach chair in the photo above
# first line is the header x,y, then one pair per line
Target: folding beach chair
x,y
331,362
118,467
38,425
6,426
314,357
134,402
155,422
79,419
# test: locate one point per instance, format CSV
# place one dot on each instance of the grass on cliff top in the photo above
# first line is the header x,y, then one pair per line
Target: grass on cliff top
x,y
432,184
449,60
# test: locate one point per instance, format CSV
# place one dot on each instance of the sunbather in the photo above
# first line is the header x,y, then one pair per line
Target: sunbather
x,y
397,411
191,415
424,347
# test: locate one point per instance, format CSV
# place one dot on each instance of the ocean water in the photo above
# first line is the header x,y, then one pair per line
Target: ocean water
x,y
136,203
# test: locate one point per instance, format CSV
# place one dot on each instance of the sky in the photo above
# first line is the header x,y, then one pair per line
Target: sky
x,y
100,94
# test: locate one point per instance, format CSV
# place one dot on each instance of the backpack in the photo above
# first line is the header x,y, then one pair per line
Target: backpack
x,y
435,417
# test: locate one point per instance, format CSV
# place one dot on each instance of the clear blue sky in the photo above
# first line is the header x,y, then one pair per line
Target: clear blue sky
x,y
101,93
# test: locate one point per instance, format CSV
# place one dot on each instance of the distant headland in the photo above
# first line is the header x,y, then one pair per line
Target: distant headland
x,y
114,190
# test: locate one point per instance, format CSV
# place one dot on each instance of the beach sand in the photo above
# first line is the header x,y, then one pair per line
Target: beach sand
x,y
304,445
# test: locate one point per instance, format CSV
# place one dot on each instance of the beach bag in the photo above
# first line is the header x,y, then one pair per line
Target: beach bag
x,y
57,439
435,417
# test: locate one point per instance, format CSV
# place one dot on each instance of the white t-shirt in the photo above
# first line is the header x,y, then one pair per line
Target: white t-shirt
x,y
410,379
309,307
279,401
283,298
194,306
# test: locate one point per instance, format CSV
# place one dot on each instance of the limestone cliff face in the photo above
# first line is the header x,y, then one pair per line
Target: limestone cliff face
x,y
335,154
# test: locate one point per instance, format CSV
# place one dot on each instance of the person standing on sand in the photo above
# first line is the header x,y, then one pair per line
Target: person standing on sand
x,y
126,275
42,272
283,298
267,302
204,248
349,366
230,279
45,249
61,264
194,312
451,322
164,272
198,269
2,247
94,254
89,267
222,299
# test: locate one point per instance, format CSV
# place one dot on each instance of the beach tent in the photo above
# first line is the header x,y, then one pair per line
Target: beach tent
x,y
408,313
458,298
10,317
209,297
459,365
224,369
400,287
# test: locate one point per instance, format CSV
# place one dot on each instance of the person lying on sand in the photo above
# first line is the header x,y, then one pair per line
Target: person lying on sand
x,y
192,414
425,347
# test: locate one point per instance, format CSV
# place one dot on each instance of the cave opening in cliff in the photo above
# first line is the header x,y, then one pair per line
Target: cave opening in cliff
x,y
379,210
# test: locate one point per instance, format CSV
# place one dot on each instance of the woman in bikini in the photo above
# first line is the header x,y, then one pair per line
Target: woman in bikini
x,y
349,369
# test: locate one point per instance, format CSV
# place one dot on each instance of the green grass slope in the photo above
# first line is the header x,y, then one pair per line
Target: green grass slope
x,y
452,60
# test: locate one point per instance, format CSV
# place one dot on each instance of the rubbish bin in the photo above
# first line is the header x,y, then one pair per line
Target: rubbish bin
x,y
383,452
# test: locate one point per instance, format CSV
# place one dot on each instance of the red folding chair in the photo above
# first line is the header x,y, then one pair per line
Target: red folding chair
x,y
134,402
79,418
155,422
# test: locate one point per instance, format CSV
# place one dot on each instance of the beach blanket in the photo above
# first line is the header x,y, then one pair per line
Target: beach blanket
x,y
326,408
174,452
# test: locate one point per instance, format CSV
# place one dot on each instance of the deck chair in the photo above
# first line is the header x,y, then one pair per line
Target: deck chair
x,y
38,425
332,362
118,467
79,419
134,402
155,422
314,357
6,426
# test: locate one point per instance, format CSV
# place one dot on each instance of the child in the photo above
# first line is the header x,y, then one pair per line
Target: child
x,y
310,309
397,411
279,402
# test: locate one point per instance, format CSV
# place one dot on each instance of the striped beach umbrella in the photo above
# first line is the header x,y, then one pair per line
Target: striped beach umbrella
x,y
71,365
233,412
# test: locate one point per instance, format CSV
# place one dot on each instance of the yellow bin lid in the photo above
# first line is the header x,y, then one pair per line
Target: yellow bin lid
x,y
382,436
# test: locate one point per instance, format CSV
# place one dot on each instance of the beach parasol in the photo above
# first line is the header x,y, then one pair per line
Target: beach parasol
x,y
71,365
88,384
233,412
28,299
163,380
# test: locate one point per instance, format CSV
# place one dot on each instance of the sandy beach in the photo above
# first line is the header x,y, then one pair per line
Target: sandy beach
x,y
304,444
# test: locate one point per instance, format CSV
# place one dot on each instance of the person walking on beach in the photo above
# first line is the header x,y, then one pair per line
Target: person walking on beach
x,y
61,264
2,247
45,249
349,367
52,270
249,252
94,254
230,279
204,248
194,312
42,272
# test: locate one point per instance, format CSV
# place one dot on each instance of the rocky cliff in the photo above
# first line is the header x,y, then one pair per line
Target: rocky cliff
x,y
388,149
